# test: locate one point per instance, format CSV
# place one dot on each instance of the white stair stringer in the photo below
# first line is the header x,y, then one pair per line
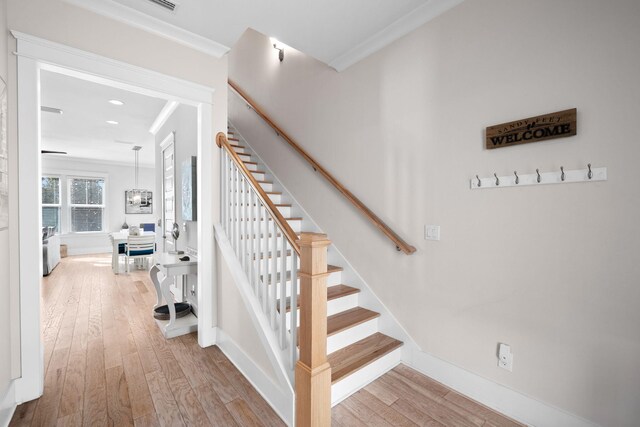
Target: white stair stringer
x,y
385,323
283,403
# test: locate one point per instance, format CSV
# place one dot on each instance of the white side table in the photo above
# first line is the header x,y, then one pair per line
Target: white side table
x,y
171,266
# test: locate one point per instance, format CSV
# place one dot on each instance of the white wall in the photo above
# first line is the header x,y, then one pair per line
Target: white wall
x,y
6,392
60,22
552,271
119,178
184,122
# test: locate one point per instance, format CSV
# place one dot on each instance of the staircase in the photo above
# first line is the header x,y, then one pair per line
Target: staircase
x,y
357,351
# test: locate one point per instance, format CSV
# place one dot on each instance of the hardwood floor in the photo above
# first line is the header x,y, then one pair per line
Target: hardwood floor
x,y
404,397
106,363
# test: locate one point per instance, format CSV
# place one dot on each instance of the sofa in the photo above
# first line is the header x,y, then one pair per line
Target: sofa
x,y
50,250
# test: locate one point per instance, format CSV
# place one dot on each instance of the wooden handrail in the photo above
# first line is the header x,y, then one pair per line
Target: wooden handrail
x,y
292,237
401,245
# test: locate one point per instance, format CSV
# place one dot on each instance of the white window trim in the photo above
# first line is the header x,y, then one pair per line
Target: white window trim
x,y
65,200
54,205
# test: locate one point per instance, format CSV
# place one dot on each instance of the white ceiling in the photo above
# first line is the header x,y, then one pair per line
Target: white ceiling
x,y
337,32
82,130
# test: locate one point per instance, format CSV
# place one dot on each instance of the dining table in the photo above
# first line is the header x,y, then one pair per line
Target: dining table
x,y
118,238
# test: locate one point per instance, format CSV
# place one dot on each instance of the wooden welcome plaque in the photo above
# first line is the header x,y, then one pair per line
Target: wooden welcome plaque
x,y
533,129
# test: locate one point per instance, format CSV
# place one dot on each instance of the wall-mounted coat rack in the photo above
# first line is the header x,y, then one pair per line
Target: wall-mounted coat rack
x,y
560,176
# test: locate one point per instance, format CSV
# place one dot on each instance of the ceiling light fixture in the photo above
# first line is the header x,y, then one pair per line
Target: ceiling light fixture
x,y
112,122
116,102
279,47
136,192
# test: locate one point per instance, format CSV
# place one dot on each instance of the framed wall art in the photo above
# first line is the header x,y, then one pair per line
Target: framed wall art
x,y
138,202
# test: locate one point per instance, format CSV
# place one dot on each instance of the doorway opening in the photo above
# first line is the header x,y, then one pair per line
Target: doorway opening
x,y
78,202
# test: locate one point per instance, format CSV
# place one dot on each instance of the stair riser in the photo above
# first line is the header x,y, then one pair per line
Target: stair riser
x,y
354,382
285,211
331,281
260,176
261,226
349,336
251,167
276,198
333,306
267,187
241,150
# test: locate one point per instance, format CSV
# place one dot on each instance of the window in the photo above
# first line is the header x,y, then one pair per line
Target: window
x,y
86,204
51,202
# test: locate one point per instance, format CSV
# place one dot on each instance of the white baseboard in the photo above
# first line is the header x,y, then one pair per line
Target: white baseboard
x,y
88,250
279,398
509,402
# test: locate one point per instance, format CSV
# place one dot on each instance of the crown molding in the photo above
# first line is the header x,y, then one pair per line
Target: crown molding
x,y
84,160
153,25
393,32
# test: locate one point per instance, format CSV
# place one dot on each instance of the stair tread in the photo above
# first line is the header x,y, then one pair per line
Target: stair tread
x,y
348,319
333,268
237,146
247,162
333,292
348,360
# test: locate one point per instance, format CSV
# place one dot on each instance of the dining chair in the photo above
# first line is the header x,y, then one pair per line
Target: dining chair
x,y
122,249
150,226
139,247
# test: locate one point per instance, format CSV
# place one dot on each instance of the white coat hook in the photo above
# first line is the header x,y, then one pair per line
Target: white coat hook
x,y
557,176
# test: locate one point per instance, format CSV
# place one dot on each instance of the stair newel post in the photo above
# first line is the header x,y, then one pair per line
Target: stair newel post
x,y
313,372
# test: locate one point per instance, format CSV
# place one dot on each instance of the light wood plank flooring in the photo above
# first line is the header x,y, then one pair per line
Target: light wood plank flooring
x,y
404,397
108,364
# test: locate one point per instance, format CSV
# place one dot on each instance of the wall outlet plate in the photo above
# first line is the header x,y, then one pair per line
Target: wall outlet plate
x,y
505,357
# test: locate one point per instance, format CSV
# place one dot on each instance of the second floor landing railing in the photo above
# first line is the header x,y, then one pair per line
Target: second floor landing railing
x,y
401,245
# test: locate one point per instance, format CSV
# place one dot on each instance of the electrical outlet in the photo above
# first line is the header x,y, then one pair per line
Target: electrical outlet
x,y
505,357
432,232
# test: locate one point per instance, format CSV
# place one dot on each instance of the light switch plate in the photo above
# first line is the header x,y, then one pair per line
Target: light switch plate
x,y
432,232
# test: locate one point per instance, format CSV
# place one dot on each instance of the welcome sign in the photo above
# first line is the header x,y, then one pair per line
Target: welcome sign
x,y
533,129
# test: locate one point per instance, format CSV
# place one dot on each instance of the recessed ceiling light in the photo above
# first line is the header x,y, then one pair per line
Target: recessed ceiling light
x,y
112,122
116,102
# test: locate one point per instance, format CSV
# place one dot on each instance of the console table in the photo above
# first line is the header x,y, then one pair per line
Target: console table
x,y
171,267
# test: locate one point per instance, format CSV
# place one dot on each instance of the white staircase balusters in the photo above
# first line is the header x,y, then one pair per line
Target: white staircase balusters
x,y
263,250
